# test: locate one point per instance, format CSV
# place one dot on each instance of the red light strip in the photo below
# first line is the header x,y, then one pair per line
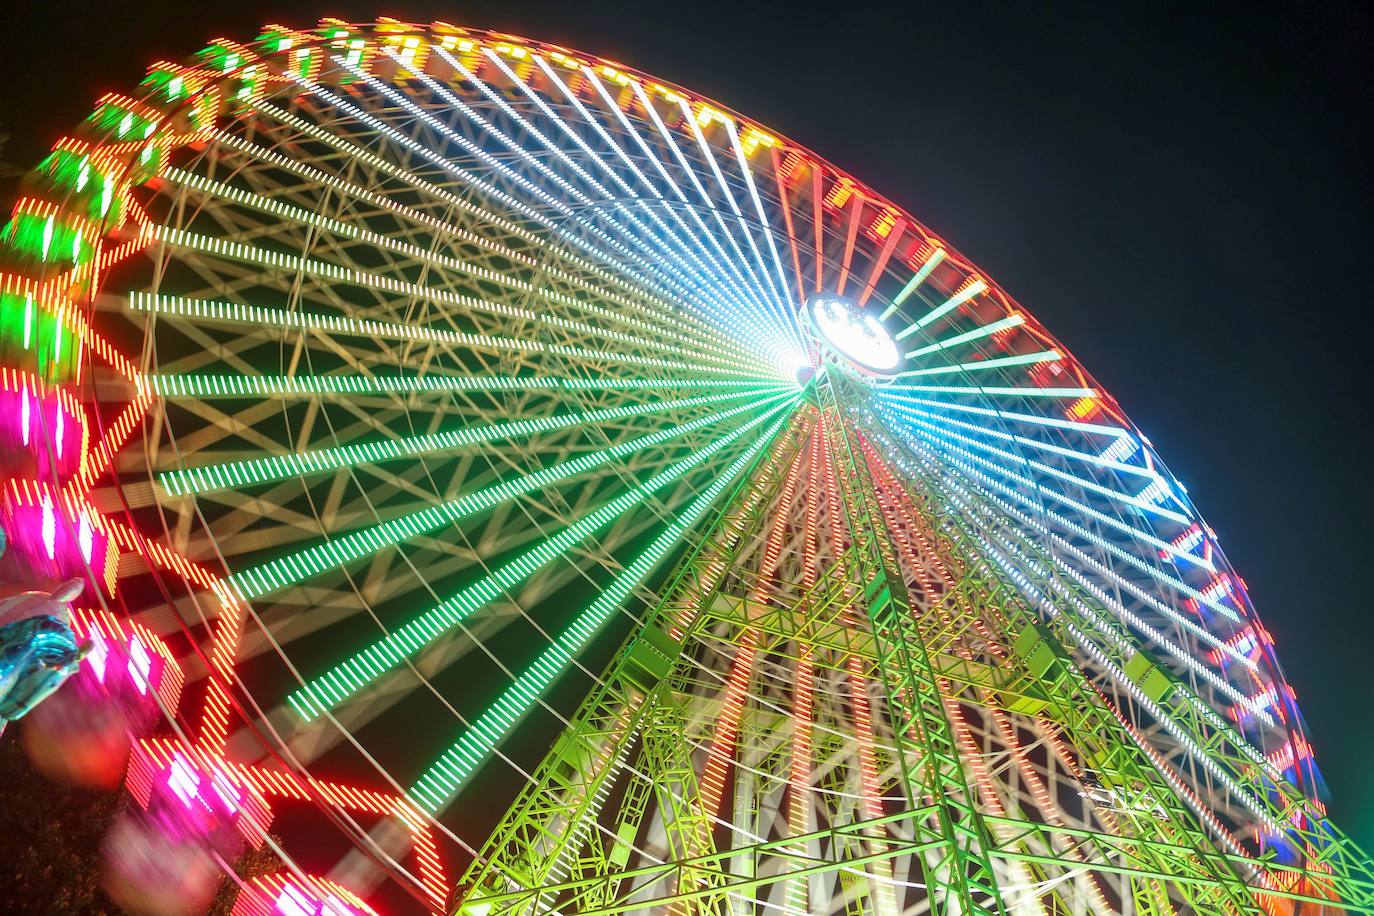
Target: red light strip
x,y
879,265
817,203
742,668
850,237
1039,791
787,219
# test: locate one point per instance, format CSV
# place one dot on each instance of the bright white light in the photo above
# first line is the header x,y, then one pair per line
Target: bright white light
x,y
855,334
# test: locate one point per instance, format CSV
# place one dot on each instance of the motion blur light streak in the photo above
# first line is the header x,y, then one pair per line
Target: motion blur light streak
x,y
650,516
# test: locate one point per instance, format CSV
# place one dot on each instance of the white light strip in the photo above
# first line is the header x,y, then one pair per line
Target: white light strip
x,y
1001,362
987,330
1063,498
714,285
664,306
282,210
728,193
930,264
323,269
1147,568
958,299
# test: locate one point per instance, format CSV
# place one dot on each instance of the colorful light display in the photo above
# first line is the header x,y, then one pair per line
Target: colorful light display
x,y
396,380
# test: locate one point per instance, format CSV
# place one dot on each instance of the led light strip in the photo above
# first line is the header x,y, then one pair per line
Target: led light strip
x,y
1004,391
741,312
311,561
930,264
237,386
1080,531
911,416
712,287
651,264
672,146
1089,458
276,467
348,677
1120,641
443,780
778,298
233,312
1001,362
641,238
1059,497
958,299
307,217
704,331
1050,611
987,330
732,263
333,272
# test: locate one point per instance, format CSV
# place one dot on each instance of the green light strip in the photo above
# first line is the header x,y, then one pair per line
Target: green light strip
x,y
931,263
233,312
1045,356
240,386
442,781
986,330
262,470
351,676
303,564
958,299
335,273
284,210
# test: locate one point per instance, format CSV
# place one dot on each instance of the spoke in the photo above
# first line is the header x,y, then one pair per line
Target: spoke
x,y
257,471
986,330
920,276
296,567
353,675
236,386
447,775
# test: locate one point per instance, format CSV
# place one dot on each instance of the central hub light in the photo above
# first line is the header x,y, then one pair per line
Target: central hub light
x,y
855,334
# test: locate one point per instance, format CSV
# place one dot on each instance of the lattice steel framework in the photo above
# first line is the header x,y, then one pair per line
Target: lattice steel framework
x,y
447,403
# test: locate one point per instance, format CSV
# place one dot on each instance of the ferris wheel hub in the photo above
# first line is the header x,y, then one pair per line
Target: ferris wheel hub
x,y
854,336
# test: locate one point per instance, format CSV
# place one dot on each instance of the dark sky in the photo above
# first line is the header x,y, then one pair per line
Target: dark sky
x,y
1181,193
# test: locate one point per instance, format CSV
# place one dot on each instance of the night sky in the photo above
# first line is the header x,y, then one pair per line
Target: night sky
x,y
1182,195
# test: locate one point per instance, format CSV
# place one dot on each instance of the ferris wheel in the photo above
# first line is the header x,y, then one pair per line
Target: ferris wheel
x,y
528,486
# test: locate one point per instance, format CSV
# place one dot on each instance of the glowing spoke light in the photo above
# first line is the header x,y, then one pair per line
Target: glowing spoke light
x,y
902,405
987,330
1001,362
332,272
449,199
446,776
239,386
663,338
930,264
263,470
303,564
1003,391
973,289
353,675
1000,467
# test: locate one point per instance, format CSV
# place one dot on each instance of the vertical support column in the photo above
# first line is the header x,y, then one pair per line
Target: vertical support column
x,y
959,873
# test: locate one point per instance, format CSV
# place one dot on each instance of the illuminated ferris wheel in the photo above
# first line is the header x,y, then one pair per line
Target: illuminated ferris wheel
x,y
529,487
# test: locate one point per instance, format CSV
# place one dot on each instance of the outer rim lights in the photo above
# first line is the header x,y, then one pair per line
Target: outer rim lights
x,y
854,334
